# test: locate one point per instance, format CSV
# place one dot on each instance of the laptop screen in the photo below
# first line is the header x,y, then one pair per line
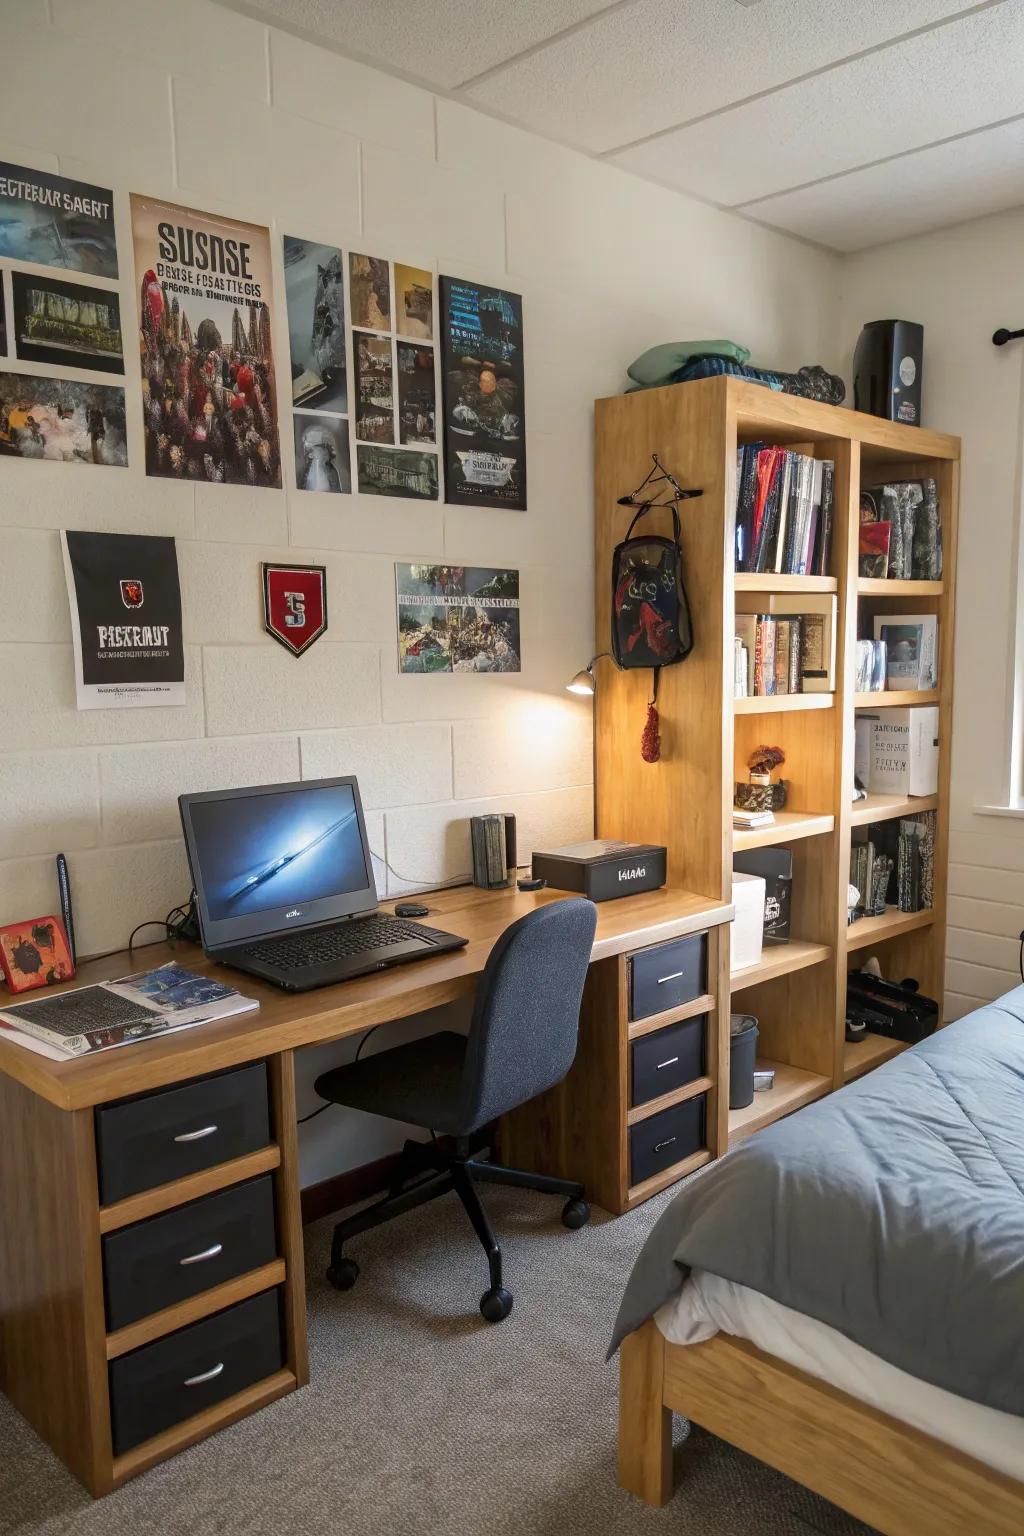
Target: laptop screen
x,y
276,854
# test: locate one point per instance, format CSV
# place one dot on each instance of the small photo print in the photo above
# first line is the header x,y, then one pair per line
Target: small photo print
x,y
370,292
315,296
3,320
414,302
375,403
415,394
321,453
457,618
397,472
56,419
67,324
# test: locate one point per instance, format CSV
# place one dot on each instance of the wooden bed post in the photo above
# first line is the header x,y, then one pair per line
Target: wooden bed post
x,y
645,1424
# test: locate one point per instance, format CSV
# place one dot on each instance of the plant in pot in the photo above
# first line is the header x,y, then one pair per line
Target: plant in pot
x,y
761,793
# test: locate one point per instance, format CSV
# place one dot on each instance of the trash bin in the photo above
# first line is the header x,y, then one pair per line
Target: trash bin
x,y
742,1059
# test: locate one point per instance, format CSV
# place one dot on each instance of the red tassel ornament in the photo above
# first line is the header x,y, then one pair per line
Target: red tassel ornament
x,y
650,740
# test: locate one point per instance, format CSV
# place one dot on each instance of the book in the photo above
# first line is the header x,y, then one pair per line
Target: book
x,y
764,657
148,1004
741,668
873,553
912,641
817,613
744,821
783,511
782,636
904,751
823,558
795,653
926,555
746,636
911,508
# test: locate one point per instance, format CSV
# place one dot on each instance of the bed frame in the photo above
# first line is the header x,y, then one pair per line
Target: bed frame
x,y
880,1470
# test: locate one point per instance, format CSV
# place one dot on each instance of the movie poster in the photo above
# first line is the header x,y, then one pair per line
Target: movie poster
x,y
369,292
482,393
414,302
321,453
56,222
125,619
3,319
396,472
415,393
375,395
315,297
457,618
205,324
67,324
48,418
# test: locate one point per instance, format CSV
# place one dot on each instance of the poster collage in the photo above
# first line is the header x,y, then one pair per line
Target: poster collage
x,y
371,346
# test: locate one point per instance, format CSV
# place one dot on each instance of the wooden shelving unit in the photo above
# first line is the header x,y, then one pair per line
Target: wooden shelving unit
x,y
861,1056
797,990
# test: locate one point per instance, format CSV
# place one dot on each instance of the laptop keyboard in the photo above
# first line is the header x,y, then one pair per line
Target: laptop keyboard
x,y
296,951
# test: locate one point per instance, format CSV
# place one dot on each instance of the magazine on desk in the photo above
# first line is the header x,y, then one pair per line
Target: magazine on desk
x,y
84,1020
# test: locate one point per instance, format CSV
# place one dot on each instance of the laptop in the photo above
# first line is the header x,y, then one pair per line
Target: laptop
x,y
284,885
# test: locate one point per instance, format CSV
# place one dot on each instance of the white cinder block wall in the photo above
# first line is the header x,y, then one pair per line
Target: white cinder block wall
x,y
962,284
195,103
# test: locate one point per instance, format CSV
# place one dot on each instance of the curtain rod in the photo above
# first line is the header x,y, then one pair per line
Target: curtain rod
x,y
1001,337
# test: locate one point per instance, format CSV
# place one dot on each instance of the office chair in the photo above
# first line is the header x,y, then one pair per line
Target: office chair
x,y
522,1041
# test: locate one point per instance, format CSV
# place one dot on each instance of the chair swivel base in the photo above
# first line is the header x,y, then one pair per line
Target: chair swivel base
x,y
435,1172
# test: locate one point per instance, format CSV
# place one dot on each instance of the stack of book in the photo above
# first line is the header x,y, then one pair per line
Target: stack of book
x,y
785,650
784,504
901,531
746,821
892,863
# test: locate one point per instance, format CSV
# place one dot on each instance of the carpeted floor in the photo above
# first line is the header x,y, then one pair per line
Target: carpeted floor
x,y
423,1420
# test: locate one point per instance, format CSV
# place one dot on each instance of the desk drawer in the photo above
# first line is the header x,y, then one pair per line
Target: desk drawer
x,y
167,1259
667,1059
181,1375
163,1136
666,1138
668,975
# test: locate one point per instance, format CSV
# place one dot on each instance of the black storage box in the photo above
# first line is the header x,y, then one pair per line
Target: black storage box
x,y
602,869
667,1138
775,865
668,1059
668,975
889,1008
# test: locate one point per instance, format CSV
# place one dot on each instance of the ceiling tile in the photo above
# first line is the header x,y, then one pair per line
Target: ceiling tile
x,y
647,66
944,82
443,42
945,184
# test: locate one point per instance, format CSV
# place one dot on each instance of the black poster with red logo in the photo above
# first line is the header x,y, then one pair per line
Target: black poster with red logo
x,y
125,619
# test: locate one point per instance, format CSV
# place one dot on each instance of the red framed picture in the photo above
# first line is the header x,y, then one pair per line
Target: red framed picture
x,y
35,954
295,604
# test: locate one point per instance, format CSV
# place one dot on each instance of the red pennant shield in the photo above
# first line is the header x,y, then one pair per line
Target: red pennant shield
x,y
295,604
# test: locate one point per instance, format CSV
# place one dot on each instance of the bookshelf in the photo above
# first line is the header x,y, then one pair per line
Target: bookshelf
x,y
797,990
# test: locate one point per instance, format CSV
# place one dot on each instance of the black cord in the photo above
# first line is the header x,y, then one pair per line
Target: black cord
x,y
329,1103
152,922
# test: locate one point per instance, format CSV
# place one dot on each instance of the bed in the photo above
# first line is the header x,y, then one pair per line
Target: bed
x,y
843,1295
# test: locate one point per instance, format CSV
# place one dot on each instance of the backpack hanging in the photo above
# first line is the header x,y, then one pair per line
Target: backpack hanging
x,y
651,623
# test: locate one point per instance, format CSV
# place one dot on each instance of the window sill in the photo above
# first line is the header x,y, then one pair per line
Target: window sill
x,y
1016,811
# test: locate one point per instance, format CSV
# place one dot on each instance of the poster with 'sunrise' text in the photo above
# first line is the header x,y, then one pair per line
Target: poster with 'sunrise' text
x,y
205,327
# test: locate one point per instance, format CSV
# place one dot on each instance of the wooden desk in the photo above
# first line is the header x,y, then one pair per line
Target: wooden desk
x,y
55,1346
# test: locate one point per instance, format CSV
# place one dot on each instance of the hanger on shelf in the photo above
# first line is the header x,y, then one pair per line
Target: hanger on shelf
x,y
658,475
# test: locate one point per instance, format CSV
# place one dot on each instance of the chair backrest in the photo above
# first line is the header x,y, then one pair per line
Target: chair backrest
x,y
526,1017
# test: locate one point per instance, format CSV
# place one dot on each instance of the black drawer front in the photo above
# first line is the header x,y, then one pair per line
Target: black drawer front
x,y
163,1136
668,975
667,1059
666,1138
176,1377
164,1260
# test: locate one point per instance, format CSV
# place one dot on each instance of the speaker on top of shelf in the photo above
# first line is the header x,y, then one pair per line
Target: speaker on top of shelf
x,y
887,368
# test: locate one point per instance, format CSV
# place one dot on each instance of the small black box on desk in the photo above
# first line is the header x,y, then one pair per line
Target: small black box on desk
x,y
602,869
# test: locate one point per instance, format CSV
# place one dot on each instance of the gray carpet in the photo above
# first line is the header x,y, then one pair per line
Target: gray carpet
x,y
422,1419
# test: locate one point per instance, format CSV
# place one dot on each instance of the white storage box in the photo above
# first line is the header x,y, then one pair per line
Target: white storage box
x,y
904,752
748,924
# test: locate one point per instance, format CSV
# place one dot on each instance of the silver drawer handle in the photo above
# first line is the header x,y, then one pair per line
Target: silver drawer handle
x,y
660,1145
670,1063
197,1381
207,1253
207,1130
674,977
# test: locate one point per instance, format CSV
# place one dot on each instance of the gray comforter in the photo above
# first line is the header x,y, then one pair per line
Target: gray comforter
x,y
892,1211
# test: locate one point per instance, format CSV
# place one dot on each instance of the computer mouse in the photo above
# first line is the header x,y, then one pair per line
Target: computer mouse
x,y
411,909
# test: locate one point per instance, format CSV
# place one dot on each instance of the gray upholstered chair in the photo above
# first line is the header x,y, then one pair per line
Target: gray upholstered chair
x,y
522,1041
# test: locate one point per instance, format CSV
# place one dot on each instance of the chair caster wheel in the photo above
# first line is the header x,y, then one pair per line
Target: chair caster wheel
x,y
496,1304
343,1275
575,1213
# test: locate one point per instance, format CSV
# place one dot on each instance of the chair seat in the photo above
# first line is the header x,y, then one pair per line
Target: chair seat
x,y
418,1084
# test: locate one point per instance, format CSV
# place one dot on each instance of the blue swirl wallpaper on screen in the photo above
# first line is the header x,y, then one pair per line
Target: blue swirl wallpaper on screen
x,y
261,852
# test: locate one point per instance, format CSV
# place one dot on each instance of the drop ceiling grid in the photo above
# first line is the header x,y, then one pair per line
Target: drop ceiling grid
x,y
827,121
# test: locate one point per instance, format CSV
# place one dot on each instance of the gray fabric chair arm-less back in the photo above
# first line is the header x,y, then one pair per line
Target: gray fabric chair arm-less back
x,y
522,1040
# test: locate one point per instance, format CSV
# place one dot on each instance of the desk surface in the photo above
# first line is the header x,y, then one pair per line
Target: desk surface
x,y
287,1019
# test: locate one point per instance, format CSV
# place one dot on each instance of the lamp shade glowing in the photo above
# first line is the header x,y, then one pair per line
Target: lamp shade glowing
x,y
583,683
